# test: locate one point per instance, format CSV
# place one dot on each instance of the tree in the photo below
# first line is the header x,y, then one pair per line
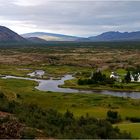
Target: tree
x,y
113,116
96,78
128,77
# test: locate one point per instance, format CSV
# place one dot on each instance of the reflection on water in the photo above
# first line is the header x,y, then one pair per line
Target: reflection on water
x,y
53,86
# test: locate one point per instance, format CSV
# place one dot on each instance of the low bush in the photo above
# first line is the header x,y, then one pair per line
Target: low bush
x,y
133,119
113,116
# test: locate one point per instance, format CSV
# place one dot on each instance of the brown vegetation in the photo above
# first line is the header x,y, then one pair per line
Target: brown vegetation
x,y
101,58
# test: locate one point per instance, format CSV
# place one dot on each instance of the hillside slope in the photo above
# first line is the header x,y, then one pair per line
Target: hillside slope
x,y
37,40
116,36
7,35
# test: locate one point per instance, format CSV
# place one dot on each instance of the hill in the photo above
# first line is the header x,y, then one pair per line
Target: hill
x,y
116,36
7,35
104,37
51,36
36,40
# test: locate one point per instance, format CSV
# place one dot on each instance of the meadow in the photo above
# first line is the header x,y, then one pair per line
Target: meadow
x,y
131,127
57,60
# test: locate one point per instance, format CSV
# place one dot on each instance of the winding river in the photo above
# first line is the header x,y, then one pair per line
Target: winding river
x,y
53,86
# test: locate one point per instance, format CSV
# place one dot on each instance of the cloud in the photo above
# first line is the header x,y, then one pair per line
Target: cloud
x,y
79,17
28,2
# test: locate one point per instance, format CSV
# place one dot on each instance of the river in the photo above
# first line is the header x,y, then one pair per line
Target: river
x,y
53,86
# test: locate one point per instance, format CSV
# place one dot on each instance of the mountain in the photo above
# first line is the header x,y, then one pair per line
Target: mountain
x,y
107,36
51,36
116,36
36,40
7,35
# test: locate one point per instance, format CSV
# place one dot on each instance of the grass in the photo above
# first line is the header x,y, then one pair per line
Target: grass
x,y
133,128
121,71
80,104
13,70
117,86
50,70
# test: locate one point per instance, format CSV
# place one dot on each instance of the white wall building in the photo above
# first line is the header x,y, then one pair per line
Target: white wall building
x,y
114,75
136,76
132,78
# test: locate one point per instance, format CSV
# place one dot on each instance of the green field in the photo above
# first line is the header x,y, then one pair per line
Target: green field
x,y
80,104
50,70
133,128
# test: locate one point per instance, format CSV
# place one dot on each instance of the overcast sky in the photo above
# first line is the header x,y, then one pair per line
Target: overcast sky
x,y
74,17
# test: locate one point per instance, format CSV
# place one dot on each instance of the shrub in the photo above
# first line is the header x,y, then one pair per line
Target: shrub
x,y
113,116
2,95
133,119
28,134
97,78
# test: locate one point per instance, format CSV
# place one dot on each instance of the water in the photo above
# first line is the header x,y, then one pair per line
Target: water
x,y
53,86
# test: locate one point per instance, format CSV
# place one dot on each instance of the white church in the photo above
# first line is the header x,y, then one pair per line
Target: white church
x,y
137,77
118,78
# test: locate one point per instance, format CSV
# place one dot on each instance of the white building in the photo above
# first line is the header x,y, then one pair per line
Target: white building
x,y
114,75
138,77
132,78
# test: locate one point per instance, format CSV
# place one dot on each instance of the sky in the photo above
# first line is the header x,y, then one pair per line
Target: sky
x,y
73,17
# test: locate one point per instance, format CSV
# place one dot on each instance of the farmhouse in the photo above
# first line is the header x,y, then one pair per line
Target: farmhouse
x,y
132,78
114,75
135,77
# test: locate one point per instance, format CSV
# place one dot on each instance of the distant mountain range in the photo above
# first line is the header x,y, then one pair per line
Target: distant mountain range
x,y
7,35
107,37
116,36
51,36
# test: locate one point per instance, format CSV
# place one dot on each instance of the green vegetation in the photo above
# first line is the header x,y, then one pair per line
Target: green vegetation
x,y
58,125
128,77
133,119
102,81
97,78
58,59
113,116
117,86
80,104
134,128
51,70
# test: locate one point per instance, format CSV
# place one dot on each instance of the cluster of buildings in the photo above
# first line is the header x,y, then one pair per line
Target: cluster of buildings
x,y
135,77
117,77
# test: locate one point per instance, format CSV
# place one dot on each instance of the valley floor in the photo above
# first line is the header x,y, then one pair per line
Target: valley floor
x,y
21,62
